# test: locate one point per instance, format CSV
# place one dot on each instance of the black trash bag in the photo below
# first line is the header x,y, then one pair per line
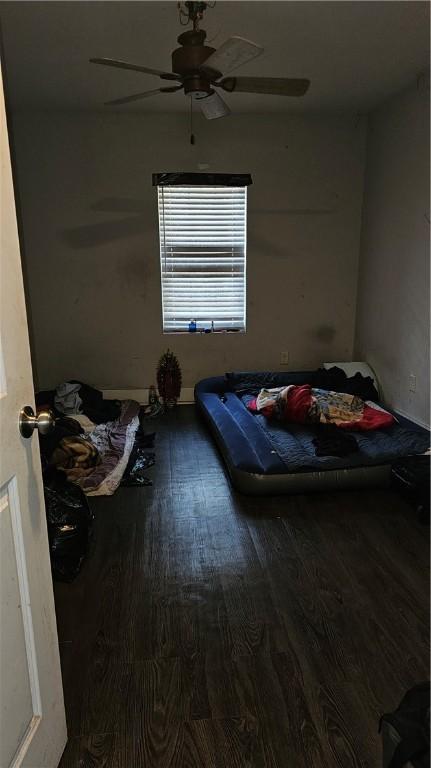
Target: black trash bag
x,y
411,476
69,521
406,731
133,474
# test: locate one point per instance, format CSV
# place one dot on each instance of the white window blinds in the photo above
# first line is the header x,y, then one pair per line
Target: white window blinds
x,y
203,256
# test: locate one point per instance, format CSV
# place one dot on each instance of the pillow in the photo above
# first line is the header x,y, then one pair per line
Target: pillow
x,y
242,382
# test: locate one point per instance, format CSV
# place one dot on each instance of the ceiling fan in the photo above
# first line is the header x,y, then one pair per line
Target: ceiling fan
x,y
199,69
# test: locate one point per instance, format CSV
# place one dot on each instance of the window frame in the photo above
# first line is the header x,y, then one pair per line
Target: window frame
x,y
205,323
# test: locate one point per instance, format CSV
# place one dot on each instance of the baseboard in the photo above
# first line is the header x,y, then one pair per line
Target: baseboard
x,y
419,422
187,397
141,395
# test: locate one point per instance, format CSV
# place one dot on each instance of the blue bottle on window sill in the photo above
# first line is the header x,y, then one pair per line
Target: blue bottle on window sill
x,y
192,326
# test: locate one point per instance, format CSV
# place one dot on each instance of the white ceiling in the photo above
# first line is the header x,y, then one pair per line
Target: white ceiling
x,y
355,53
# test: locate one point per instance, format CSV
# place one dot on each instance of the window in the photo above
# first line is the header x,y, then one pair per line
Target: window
x,y
203,256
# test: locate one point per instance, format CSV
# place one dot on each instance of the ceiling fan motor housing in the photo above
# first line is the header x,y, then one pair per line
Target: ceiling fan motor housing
x,y
187,60
197,87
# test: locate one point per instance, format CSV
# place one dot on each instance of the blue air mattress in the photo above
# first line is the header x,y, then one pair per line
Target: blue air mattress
x,y
265,457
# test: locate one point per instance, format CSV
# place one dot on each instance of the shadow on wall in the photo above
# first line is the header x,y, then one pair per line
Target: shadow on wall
x,y
278,250
90,235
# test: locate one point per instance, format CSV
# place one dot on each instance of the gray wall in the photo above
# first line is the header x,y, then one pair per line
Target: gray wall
x,y
392,331
95,291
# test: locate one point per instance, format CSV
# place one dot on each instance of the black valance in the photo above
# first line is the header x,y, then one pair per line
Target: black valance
x,y
201,179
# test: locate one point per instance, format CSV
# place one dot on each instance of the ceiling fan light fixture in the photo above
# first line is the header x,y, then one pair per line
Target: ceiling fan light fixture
x,y
213,106
198,95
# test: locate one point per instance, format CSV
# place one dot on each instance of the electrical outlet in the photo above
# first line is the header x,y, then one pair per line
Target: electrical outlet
x,y
412,383
284,358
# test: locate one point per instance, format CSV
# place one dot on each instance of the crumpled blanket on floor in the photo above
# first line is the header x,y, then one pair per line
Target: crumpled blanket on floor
x,y
76,456
114,442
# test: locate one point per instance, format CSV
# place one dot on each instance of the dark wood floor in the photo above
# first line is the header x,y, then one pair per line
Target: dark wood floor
x,y
214,630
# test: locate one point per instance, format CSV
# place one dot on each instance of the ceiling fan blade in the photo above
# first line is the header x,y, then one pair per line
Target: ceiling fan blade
x,y
90,235
232,54
275,86
213,106
136,67
137,96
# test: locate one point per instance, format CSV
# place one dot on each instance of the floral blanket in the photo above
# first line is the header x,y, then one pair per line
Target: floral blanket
x,y
307,405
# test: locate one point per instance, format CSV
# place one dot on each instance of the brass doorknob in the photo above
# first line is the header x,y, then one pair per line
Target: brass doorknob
x,y
28,422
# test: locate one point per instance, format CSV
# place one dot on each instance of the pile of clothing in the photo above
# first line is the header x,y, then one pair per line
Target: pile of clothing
x,y
331,441
95,446
93,438
74,397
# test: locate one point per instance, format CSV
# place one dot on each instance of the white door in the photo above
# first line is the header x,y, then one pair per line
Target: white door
x,y
32,721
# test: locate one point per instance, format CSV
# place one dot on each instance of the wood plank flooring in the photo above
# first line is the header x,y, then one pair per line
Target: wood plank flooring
x,y
214,630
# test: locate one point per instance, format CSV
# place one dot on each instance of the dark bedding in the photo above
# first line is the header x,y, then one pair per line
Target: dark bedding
x,y
332,378
266,457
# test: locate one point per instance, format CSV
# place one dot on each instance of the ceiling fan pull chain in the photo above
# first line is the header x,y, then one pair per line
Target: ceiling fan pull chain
x,y
192,136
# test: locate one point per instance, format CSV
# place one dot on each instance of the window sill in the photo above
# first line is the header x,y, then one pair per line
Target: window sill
x,y
227,332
